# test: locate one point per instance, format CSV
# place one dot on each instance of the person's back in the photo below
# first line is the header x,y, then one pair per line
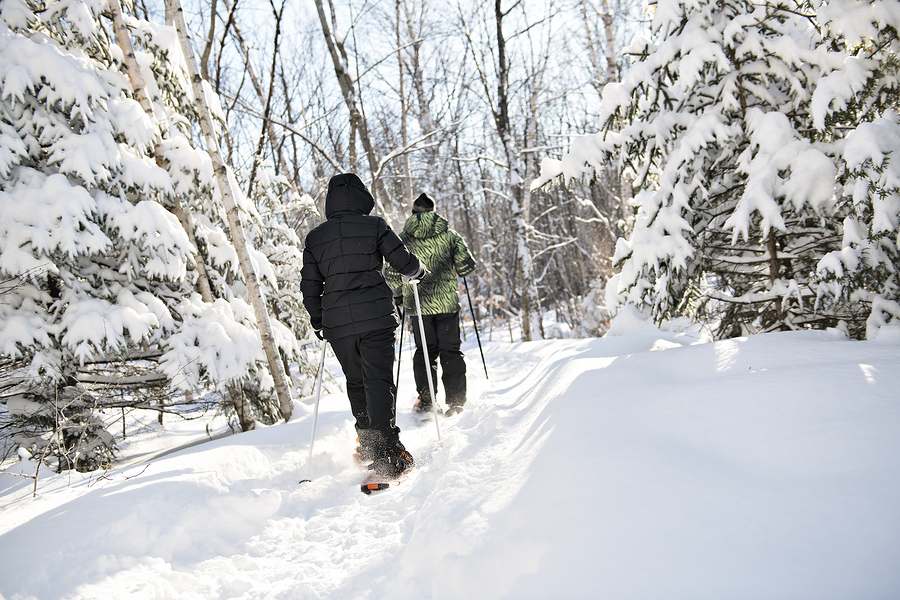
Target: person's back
x,y
350,305
445,254
343,287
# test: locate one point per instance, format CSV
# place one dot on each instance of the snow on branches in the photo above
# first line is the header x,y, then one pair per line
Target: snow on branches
x,y
762,140
110,216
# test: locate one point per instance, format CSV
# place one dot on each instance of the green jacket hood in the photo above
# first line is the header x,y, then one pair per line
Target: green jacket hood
x,y
425,225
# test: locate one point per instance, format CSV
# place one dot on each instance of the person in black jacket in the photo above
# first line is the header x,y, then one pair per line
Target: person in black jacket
x,y
351,306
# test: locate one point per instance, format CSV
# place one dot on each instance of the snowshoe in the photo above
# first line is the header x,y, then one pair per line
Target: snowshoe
x,y
453,409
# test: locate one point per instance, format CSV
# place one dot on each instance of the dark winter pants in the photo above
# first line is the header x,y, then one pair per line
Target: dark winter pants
x,y
442,338
367,360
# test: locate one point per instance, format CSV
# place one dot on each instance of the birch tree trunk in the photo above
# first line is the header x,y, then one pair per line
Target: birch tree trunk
x,y
235,227
241,407
520,193
612,72
139,88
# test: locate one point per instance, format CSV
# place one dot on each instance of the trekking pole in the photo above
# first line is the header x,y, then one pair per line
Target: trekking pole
x,y
318,393
475,323
415,288
400,352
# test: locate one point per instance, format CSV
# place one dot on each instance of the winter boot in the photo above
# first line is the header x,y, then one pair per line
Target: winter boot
x,y
393,459
365,446
455,403
393,463
423,403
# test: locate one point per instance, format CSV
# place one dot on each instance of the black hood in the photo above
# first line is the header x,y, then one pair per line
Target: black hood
x,y
347,195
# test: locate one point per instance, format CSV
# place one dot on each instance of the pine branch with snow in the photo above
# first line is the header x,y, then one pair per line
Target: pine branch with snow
x,y
760,139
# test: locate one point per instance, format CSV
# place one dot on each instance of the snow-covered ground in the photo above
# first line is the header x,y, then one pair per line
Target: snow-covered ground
x,y
634,466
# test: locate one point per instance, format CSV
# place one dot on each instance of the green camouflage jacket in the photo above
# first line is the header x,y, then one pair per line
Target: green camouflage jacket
x,y
444,253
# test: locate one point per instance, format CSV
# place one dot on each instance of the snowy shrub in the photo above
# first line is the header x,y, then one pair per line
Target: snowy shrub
x,y
79,437
763,143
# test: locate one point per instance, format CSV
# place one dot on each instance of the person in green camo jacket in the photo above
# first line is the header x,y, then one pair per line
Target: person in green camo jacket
x,y
445,254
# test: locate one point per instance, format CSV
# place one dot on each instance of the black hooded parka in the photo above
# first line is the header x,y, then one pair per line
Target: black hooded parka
x,y
343,288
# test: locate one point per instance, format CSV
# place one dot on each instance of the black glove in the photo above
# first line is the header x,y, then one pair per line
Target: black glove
x,y
418,277
319,334
398,303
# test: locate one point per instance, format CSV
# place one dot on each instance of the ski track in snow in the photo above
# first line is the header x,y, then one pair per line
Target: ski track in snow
x,y
625,467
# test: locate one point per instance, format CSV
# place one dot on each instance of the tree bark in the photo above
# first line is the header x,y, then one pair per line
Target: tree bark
x,y
774,274
235,227
612,71
210,37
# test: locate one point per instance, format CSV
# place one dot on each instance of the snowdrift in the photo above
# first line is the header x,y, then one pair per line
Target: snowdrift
x,y
638,466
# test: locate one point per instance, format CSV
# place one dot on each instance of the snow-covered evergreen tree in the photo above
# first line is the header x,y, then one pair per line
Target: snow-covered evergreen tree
x,y
110,223
762,141
201,354
854,108
99,259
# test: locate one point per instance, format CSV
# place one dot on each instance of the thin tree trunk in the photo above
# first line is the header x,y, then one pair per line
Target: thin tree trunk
x,y
235,227
520,194
358,122
425,116
275,140
774,270
139,88
267,102
612,71
242,407
210,38
406,184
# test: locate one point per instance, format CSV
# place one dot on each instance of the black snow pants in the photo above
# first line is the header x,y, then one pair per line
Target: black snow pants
x,y
368,360
442,338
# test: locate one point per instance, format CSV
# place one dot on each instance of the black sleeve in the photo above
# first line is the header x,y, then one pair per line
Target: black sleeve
x,y
395,253
312,284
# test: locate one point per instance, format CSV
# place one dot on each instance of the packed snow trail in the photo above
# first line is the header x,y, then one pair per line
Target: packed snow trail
x,y
626,467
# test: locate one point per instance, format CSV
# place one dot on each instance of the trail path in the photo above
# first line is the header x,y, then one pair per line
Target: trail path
x,y
626,467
